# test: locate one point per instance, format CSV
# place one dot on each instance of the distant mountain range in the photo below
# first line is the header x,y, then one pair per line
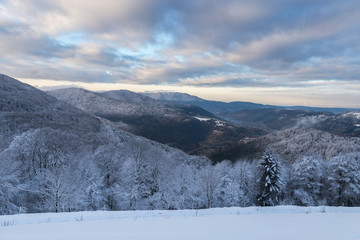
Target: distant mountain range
x,y
175,98
218,130
339,121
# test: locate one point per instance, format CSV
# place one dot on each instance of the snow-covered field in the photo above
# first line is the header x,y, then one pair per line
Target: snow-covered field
x,y
280,223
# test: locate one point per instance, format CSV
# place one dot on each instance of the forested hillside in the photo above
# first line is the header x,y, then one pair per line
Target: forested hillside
x,y
55,157
191,129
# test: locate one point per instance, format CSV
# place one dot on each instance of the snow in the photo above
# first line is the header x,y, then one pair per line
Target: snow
x,y
352,114
202,119
283,222
172,96
111,103
219,123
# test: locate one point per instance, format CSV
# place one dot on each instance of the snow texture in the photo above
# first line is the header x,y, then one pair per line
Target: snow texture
x,y
203,119
172,96
253,223
112,103
352,114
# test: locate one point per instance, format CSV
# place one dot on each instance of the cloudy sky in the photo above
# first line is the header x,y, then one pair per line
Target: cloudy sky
x,y
298,52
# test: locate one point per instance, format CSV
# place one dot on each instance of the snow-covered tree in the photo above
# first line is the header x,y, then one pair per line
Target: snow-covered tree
x,y
344,180
210,181
307,180
109,159
9,184
244,183
270,182
49,170
185,184
62,189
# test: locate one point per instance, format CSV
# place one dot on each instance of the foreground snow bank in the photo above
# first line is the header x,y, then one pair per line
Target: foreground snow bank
x,y
283,222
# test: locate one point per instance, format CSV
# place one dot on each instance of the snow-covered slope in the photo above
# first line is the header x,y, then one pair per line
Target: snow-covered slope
x,y
99,104
50,147
254,223
173,96
128,96
346,124
23,107
177,127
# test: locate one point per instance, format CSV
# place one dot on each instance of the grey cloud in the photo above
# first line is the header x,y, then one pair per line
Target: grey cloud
x,y
276,39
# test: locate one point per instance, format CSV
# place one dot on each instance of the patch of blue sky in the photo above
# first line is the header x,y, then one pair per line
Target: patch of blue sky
x,y
180,58
151,49
126,53
163,38
162,41
239,67
75,38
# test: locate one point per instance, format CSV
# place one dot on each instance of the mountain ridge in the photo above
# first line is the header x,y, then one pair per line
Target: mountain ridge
x,y
219,106
191,129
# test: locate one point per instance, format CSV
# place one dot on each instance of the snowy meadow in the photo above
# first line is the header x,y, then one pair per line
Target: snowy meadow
x,y
281,222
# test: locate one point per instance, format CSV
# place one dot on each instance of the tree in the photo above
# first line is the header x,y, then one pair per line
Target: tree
x,y
244,183
49,171
307,181
270,182
108,159
9,183
344,180
210,181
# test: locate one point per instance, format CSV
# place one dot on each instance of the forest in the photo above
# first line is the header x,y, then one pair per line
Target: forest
x,y
47,170
57,158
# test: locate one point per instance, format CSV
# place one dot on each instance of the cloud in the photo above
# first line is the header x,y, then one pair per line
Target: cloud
x,y
258,43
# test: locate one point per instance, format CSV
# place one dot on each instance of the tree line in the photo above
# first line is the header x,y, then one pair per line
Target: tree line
x,y
47,170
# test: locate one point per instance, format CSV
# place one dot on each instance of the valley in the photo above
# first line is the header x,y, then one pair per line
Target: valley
x,y
76,150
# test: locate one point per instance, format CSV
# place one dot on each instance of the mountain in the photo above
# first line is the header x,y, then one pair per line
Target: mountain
x,y
345,124
189,128
128,96
110,107
271,119
194,110
215,107
23,108
55,157
293,143
339,121
218,107
173,97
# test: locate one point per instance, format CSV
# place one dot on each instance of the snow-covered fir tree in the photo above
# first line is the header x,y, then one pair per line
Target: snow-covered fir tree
x,y
270,182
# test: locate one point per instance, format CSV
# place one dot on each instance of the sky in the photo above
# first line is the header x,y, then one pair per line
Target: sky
x,y
298,52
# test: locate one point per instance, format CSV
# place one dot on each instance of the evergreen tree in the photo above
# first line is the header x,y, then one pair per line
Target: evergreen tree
x,y
270,182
